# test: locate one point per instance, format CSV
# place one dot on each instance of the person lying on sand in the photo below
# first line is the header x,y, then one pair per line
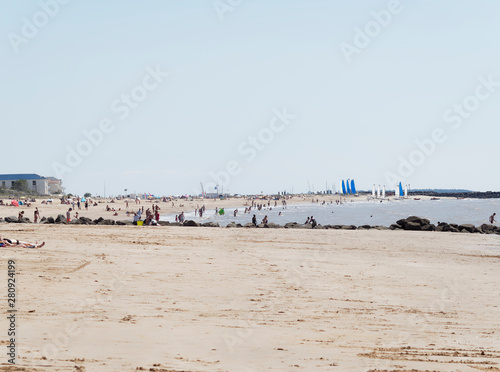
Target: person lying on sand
x,y
4,242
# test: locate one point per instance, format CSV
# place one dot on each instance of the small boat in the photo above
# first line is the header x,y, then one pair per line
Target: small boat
x,y
416,198
434,198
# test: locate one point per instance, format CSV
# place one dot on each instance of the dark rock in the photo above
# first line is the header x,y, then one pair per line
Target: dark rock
x,y
161,223
231,225
107,222
43,219
401,222
272,225
487,228
50,220
86,221
348,227
414,226
212,224
454,229
11,219
174,224
249,225
290,225
308,226
467,227
1,220
25,220
365,227
76,222
263,225
419,220
60,218
380,227
396,226
429,227
319,227
98,221
124,223
190,223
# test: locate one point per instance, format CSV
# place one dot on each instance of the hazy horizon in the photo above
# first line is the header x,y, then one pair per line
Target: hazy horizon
x,y
262,97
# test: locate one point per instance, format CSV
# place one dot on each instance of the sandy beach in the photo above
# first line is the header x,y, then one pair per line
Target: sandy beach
x,y
122,298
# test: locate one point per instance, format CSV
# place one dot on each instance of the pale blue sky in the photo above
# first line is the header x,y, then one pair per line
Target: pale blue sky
x,y
226,76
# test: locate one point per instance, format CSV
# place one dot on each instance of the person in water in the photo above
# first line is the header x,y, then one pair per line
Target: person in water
x,y
254,220
492,218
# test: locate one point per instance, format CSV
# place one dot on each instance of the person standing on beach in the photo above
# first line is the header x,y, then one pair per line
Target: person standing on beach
x,y
492,218
254,220
68,215
36,215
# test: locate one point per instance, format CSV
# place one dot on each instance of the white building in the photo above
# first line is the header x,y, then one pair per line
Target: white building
x,y
36,183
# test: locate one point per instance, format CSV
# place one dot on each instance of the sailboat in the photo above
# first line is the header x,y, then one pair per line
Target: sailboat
x,y
406,191
343,187
378,191
353,187
383,192
348,187
401,190
373,191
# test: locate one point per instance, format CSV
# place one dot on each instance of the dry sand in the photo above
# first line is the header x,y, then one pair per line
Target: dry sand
x,y
115,298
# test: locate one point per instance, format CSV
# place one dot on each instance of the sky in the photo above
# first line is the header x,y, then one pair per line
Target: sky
x,y
256,96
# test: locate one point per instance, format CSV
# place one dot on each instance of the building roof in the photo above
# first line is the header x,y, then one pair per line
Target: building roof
x,y
15,177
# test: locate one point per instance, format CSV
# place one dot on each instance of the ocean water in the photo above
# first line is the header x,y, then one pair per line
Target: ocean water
x,y
359,212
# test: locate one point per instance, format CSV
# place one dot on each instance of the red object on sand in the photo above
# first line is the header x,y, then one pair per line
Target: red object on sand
x,y
15,203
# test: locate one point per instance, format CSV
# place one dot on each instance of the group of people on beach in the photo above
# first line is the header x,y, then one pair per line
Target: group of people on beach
x,y
152,215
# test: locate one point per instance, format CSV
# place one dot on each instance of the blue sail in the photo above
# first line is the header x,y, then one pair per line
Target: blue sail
x,y
353,188
401,190
343,187
348,187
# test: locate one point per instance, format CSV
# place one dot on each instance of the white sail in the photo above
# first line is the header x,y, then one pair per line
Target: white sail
x,y
383,192
396,191
373,190
378,191
406,191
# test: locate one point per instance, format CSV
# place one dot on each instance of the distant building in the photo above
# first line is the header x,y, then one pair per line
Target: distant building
x,y
36,183
55,185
